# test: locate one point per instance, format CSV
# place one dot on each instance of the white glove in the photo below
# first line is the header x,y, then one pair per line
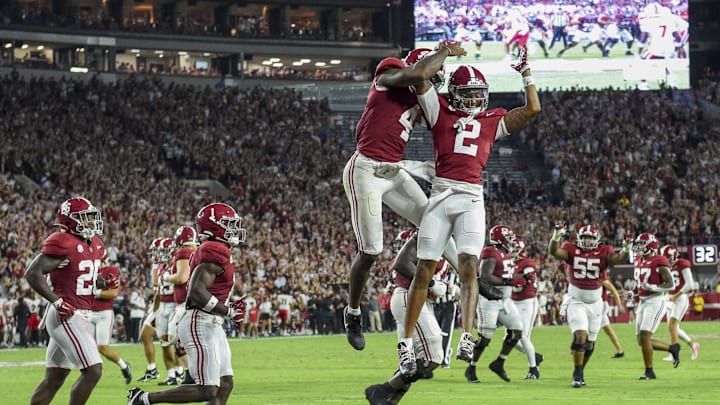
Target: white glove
x,y
166,275
627,246
558,232
438,288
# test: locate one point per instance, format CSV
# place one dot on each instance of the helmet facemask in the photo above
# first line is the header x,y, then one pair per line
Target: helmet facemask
x,y
89,222
472,98
234,233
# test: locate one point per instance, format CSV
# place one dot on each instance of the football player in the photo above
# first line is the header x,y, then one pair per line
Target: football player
x,y
372,176
427,335
678,300
71,257
148,325
652,273
524,294
185,243
166,310
497,268
102,319
605,324
463,135
208,304
587,262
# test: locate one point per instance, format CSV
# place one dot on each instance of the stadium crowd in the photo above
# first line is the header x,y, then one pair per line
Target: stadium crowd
x,y
628,163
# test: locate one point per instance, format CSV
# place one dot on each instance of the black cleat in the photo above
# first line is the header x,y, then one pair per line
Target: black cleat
x,y
577,382
378,395
648,376
149,375
126,373
353,329
498,368
674,349
135,397
533,374
188,380
471,374
539,358
618,355
169,381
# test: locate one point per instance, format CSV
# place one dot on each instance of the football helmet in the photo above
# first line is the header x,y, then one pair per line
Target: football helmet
x,y
646,243
154,249
80,217
588,237
469,91
519,249
402,237
671,252
220,221
185,235
415,55
503,235
167,245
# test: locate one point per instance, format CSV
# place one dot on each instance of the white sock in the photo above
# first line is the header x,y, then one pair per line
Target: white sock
x,y
145,398
408,342
354,311
179,370
122,364
151,367
684,336
171,373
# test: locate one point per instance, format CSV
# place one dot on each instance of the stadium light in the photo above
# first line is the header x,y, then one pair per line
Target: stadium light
x,y
335,62
78,69
320,64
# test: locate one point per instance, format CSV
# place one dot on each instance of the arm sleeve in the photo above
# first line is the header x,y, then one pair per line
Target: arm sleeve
x,y
430,105
689,281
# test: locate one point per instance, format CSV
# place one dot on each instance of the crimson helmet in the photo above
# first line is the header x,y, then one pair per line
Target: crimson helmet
x,y
415,55
519,249
588,237
469,91
185,235
78,216
154,249
221,222
402,237
167,245
503,235
646,243
671,252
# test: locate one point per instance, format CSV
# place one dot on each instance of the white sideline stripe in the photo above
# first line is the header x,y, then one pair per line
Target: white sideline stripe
x,y
21,363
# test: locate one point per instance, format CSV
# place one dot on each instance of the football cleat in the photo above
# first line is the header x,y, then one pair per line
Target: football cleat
x,y
695,349
539,358
618,355
408,366
577,382
669,357
647,376
188,380
169,381
498,368
135,397
533,374
353,329
674,350
378,395
466,345
149,375
126,373
471,374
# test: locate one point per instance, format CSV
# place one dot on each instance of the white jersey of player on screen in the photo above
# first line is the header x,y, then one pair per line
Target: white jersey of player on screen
x,y
659,23
464,35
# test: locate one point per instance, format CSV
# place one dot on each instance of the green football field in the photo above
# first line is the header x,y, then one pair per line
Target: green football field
x,y
575,69
326,370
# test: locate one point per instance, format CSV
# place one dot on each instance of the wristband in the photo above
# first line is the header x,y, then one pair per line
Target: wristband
x,y
210,304
528,81
98,293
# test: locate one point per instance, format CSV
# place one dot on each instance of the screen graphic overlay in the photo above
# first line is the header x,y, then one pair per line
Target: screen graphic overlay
x,y
591,44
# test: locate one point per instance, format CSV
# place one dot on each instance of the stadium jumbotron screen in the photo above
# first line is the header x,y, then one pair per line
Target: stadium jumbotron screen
x,y
592,44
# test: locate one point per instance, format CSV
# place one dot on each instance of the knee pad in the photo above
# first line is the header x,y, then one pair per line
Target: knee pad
x,y
512,337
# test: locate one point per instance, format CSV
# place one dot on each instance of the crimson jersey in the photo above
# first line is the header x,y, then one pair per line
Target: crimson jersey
x,y
384,128
462,143
647,271
525,267
74,279
166,288
504,264
586,269
105,272
677,274
217,253
180,290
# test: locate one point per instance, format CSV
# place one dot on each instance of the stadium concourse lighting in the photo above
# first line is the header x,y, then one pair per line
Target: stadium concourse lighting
x,y
320,64
335,62
297,63
8,45
305,60
78,69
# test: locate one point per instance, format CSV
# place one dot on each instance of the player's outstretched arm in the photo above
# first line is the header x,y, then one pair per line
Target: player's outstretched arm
x,y
519,117
554,248
422,71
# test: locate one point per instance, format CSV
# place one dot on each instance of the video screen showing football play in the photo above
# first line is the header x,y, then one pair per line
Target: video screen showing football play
x,y
593,44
